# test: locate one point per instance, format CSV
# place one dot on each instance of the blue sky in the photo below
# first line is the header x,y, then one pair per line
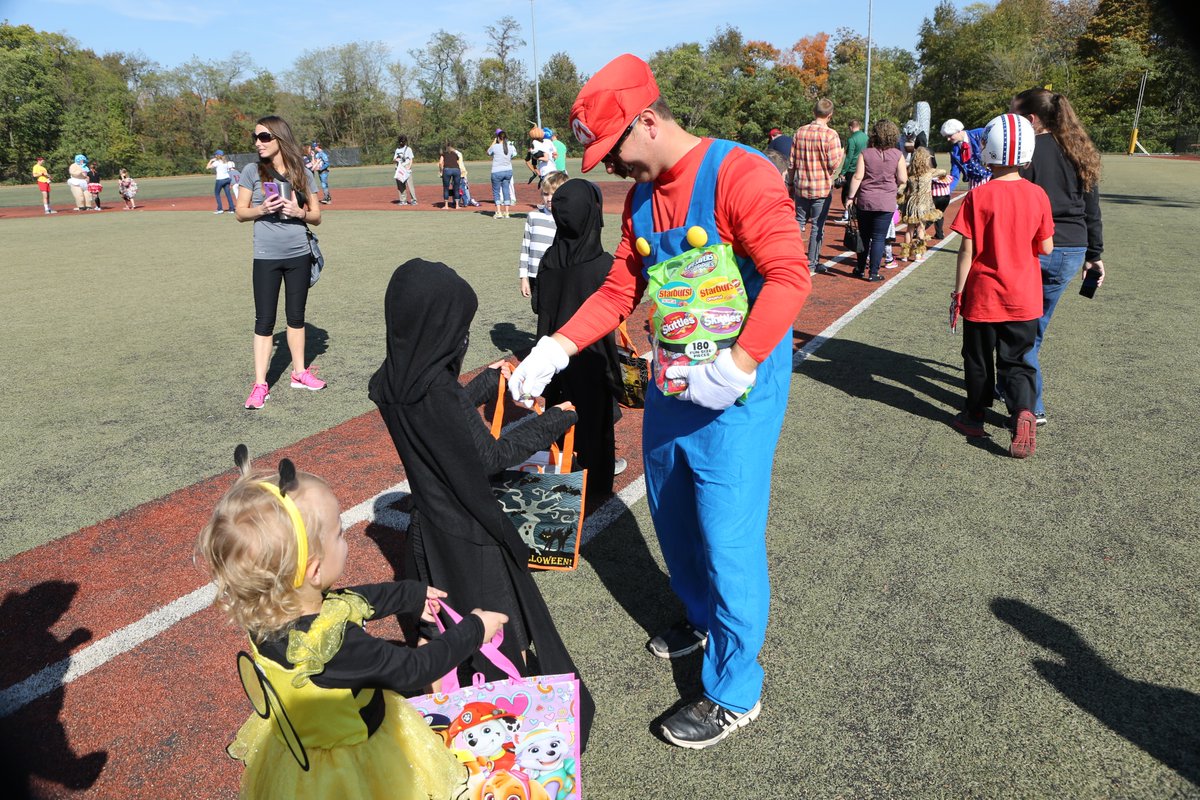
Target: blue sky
x,y
172,31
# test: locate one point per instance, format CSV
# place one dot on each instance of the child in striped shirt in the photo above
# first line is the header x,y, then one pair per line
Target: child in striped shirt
x,y
539,233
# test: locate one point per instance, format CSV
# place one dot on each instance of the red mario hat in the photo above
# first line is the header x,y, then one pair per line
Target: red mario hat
x,y
608,103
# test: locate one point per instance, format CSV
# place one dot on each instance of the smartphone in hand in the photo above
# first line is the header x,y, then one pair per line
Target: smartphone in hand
x,y
1091,281
270,188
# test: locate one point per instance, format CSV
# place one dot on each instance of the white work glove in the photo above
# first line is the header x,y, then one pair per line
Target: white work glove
x,y
716,385
529,379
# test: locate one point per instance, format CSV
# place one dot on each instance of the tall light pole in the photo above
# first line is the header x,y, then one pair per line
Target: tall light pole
x,y
537,85
867,103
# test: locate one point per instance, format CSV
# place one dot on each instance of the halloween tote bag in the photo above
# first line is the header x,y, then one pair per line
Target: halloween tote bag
x,y
517,737
544,499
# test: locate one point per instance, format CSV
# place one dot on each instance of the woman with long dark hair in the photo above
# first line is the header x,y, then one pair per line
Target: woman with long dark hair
x,y
880,171
450,168
1067,166
502,153
278,200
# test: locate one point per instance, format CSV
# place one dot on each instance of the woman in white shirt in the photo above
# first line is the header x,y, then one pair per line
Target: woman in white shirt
x,y
502,153
223,166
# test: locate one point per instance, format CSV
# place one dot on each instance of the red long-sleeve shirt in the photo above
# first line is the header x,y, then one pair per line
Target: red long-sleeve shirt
x,y
754,214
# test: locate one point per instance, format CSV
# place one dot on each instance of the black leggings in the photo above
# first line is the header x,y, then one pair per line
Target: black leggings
x,y
268,274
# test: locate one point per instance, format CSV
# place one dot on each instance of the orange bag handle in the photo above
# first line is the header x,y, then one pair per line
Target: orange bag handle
x,y
624,340
562,457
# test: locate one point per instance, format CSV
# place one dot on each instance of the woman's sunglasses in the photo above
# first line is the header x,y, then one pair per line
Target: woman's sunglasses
x,y
264,137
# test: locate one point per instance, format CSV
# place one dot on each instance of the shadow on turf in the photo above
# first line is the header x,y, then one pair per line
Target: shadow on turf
x,y
33,741
624,564
316,342
1162,721
1150,200
508,337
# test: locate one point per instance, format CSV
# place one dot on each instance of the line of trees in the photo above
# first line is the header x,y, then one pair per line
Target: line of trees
x,y
58,98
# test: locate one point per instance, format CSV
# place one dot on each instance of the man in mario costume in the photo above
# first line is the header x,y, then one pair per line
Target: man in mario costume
x,y
709,232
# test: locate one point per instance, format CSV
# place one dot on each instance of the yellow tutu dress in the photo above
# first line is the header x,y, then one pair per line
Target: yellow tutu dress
x,y
324,729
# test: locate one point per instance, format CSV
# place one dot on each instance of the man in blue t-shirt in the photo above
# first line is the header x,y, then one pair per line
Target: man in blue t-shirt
x,y
321,165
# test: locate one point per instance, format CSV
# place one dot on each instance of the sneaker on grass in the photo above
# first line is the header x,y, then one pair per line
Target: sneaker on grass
x,y
678,640
967,425
1024,440
1040,416
259,395
307,380
702,723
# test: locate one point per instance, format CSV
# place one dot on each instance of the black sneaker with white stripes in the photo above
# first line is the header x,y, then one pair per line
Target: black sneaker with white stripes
x,y
702,723
678,640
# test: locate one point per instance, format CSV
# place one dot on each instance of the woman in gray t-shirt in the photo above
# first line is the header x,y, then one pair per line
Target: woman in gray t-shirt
x,y
280,211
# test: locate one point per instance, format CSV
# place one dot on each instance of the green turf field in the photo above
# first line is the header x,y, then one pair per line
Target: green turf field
x,y
946,621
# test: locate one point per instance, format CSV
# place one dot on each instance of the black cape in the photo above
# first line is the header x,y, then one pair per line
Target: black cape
x,y
461,541
570,272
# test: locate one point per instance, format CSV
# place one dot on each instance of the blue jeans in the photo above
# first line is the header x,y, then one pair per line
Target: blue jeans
x,y
873,227
502,187
450,185
223,185
1058,270
324,176
814,209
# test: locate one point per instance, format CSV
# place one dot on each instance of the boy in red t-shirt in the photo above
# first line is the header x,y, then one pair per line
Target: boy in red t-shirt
x,y
1004,223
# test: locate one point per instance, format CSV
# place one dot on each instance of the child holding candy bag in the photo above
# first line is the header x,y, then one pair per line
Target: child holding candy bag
x,y
329,720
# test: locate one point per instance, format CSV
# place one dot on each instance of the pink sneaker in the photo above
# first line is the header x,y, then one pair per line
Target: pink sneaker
x,y
259,395
307,380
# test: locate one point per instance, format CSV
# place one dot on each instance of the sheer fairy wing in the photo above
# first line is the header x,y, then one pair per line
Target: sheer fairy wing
x,y
267,703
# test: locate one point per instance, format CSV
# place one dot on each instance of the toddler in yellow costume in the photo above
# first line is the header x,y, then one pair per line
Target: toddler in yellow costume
x,y
329,721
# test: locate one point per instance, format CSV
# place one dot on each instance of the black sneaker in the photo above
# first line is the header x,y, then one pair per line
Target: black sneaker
x,y
678,640
1040,416
703,723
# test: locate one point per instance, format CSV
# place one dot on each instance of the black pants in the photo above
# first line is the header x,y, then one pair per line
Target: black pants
x,y
998,347
873,227
941,204
293,273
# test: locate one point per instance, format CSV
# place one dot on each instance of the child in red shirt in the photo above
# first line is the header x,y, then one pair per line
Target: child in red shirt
x,y
1004,223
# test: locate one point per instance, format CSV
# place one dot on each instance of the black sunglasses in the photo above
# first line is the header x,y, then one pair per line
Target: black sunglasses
x,y
614,153
264,137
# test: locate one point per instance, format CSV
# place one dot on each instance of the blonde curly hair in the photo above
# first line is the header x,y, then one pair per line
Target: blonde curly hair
x,y
249,550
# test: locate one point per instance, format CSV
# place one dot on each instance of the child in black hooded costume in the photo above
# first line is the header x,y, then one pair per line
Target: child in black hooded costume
x,y
460,539
571,271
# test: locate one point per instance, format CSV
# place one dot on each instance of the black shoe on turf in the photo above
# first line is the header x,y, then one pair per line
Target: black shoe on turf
x,y
703,723
678,640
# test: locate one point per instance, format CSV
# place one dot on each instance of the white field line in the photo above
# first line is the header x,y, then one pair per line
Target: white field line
x,y
125,639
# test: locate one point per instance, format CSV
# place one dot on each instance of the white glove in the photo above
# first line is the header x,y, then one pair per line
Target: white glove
x,y
716,385
529,379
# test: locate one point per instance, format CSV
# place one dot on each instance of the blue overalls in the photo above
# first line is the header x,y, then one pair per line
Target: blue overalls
x,y
708,477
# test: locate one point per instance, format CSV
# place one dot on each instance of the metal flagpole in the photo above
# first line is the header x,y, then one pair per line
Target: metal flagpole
x,y
537,87
867,103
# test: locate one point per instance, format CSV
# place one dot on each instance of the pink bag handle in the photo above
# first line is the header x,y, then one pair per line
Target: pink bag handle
x,y
490,650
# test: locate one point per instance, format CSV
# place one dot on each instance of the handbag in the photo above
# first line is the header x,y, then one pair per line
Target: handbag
x,y
851,237
635,370
318,260
511,735
543,498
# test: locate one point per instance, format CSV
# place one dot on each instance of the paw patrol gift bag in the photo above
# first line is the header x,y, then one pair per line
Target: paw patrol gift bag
x,y
517,738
